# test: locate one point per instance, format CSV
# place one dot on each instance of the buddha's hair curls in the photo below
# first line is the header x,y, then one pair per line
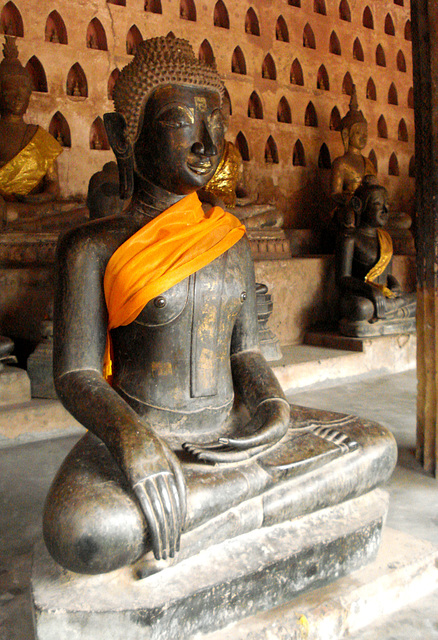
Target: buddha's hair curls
x,y
159,61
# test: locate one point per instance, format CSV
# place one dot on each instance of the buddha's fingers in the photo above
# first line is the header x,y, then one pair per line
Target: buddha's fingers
x,y
151,518
171,512
179,485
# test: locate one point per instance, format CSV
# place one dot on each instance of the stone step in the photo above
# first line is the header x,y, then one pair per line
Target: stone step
x,y
405,570
331,357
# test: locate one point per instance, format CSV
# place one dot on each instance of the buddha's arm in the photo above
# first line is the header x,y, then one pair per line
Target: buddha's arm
x,y
79,342
337,182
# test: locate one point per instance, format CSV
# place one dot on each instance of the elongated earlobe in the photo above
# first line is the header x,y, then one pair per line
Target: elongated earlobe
x,y
115,126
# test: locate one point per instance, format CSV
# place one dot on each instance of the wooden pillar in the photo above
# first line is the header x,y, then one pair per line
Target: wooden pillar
x,y
425,57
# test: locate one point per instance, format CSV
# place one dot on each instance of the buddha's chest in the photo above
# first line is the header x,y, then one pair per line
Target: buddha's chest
x,y
366,251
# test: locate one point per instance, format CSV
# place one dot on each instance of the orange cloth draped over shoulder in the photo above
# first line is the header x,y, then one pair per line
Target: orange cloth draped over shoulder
x,y
386,251
173,246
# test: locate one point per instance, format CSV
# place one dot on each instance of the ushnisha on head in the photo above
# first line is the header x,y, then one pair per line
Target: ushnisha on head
x,y
157,62
353,123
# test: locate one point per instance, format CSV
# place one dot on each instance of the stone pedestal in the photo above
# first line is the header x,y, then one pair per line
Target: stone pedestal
x,y
241,577
14,386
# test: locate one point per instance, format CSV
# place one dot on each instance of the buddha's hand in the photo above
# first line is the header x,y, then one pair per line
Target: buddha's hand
x,y
267,426
159,485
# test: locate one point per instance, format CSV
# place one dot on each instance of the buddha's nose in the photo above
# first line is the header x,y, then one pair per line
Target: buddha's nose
x,y
206,146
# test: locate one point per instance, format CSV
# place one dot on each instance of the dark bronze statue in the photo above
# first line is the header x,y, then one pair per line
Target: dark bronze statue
x,y
372,302
190,422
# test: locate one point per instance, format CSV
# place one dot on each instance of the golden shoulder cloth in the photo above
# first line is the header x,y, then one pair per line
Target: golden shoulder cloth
x,y
385,243
171,247
223,183
24,172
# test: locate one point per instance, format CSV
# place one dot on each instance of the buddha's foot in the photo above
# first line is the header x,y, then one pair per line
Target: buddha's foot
x,y
364,329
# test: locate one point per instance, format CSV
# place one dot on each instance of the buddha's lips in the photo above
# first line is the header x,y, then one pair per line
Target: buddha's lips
x,y
200,166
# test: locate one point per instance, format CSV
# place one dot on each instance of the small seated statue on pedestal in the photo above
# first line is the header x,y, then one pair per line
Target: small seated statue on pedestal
x,y
372,302
156,354
29,185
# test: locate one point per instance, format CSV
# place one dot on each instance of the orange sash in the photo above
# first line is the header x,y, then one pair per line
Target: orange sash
x,y
171,247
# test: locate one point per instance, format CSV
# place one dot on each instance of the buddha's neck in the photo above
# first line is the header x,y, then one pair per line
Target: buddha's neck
x,y
151,197
354,151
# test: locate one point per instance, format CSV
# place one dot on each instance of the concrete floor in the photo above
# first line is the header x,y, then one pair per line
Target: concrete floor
x,y
27,470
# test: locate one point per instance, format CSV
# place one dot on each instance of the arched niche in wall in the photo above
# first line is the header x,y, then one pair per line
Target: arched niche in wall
x,y
371,90
412,167
296,73
98,137
401,61
309,37
344,11
283,111
120,3
227,100
205,53
255,107
55,30
389,25
347,84
322,79
96,36
408,31
335,120
187,10
77,85
411,98
392,94
393,169
269,72
238,64
111,82
334,44
298,155
281,30
242,145
367,18
319,7
402,131
310,117
399,2
220,15
153,6
294,3
373,159
252,24
324,159
133,39
358,51
382,129
380,56
60,130
11,22
271,151
37,75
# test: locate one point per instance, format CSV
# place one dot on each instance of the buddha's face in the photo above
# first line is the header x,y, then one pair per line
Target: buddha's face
x,y
15,94
181,139
358,135
376,213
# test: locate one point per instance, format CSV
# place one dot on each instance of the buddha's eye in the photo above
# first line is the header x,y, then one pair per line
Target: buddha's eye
x,y
175,117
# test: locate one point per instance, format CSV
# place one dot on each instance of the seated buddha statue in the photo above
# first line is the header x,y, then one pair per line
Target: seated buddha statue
x,y
156,352
226,187
372,302
29,185
349,170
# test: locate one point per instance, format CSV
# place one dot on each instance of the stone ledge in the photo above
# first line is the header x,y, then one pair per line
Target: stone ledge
x,y
405,570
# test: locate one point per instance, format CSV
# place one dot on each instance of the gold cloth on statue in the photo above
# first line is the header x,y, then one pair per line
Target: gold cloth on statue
x,y
26,170
224,182
385,243
173,246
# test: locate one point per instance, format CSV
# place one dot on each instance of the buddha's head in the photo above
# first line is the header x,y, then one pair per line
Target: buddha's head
x,y
170,105
354,128
373,198
15,81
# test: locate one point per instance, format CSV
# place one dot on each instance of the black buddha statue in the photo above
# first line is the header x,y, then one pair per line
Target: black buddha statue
x,y
372,302
156,352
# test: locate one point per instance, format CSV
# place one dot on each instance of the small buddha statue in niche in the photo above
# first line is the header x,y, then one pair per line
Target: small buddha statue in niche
x,y
155,350
28,170
227,188
372,302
